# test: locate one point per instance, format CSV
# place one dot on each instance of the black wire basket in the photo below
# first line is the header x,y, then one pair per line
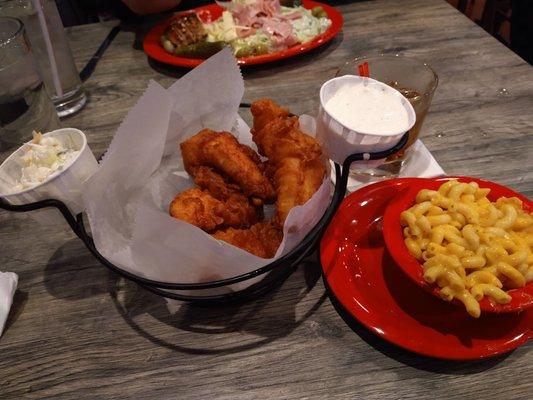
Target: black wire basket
x,y
275,272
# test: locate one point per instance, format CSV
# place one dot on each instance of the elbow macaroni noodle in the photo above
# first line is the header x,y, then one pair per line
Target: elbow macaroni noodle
x,y
469,246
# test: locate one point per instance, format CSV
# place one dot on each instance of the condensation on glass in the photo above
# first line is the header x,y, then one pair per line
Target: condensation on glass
x,y
24,104
51,49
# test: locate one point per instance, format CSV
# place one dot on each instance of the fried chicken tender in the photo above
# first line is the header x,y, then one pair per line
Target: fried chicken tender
x,y
198,207
261,239
206,178
233,182
282,138
294,158
264,111
222,151
296,182
219,187
191,149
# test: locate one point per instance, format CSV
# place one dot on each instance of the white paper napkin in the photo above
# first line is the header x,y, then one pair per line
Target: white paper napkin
x,y
421,164
8,286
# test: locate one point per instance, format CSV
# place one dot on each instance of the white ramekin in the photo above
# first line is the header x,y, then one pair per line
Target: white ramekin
x,y
339,141
65,185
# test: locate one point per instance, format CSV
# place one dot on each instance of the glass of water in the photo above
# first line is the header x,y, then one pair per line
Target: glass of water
x,y
52,52
24,104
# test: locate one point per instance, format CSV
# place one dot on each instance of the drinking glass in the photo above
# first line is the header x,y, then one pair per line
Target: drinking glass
x,y
416,80
24,104
51,49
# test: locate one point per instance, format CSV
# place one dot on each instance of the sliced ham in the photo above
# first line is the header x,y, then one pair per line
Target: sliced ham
x,y
243,32
282,42
250,14
269,8
277,27
244,15
281,32
266,14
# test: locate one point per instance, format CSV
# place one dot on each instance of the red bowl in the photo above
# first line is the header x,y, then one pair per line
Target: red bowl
x,y
521,298
371,287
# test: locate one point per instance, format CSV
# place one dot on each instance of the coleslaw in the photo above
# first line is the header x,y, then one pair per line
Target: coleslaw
x,y
44,156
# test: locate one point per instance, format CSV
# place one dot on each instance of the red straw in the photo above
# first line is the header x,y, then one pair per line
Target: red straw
x,y
363,70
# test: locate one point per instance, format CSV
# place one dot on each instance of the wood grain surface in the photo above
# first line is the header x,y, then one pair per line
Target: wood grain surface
x,y
76,331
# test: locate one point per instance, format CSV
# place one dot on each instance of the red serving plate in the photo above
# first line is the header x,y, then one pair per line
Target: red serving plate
x,y
213,11
373,289
393,234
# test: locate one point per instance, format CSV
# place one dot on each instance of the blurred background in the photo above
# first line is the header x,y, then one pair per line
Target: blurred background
x,y
509,21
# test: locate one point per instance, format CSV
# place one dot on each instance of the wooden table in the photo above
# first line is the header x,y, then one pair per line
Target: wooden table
x,y
78,332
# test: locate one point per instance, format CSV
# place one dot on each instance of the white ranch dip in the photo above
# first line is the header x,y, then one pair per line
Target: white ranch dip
x,y
367,106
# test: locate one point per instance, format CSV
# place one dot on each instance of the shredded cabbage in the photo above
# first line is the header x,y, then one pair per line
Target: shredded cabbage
x,y
308,27
222,30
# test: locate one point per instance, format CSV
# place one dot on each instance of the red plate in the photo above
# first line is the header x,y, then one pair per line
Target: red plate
x,y
374,290
393,234
212,12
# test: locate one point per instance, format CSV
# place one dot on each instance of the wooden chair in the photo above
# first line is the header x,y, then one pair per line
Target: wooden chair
x,y
495,13
489,14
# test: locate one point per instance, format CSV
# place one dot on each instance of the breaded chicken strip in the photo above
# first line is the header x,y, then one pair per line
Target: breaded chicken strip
x,y
264,111
296,181
222,151
206,178
261,239
282,137
294,158
199,208
191,149
219,187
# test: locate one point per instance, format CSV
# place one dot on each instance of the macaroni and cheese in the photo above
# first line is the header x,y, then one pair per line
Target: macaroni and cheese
x,y
469,246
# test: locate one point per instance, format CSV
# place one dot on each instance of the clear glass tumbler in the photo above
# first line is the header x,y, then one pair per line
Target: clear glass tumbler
x,y
416,80
24,104
52,52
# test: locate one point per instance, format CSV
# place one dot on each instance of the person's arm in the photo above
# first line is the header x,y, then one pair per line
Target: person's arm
x,y
143,7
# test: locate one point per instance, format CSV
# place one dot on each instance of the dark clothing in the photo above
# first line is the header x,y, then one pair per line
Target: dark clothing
x,y
78,12
522,29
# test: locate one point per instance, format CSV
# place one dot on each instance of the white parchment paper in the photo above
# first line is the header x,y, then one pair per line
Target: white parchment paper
x,y
127,199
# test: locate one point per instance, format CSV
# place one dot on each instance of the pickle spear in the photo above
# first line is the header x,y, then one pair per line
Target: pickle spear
x,y
199,50
252,50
